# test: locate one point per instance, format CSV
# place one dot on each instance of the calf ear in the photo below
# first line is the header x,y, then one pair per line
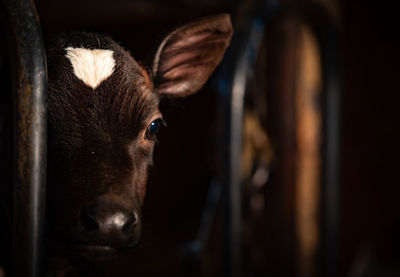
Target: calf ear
x,y
186,58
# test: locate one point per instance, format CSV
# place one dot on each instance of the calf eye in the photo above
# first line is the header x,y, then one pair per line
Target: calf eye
x,y
153,128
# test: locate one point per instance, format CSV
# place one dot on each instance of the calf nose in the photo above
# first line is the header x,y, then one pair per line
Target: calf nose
x,y
109,222
120,221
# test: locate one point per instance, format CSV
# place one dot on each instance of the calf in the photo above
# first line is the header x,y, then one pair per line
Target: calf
x,y
103,121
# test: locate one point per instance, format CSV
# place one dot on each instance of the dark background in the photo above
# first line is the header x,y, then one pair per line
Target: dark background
x,y
370,208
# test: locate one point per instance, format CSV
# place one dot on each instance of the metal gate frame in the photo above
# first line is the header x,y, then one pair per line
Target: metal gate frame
x,y
231,89
28,62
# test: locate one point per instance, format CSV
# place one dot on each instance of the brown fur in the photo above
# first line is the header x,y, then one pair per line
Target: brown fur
x,y
99,149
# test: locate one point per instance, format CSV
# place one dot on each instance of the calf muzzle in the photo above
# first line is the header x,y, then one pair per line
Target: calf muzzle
x,y
110,222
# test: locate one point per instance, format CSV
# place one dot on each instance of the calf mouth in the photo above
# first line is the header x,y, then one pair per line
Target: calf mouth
x,y
85,252
94,253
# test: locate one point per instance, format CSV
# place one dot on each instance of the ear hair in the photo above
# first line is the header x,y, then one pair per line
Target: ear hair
x,y
187,57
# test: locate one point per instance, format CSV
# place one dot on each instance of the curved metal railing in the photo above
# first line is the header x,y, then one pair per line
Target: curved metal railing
x,y
29,89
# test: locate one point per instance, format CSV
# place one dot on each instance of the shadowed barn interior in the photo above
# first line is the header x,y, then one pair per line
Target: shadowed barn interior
x,y
283,211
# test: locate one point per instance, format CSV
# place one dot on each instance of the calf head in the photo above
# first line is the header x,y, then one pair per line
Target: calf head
x,y
103,120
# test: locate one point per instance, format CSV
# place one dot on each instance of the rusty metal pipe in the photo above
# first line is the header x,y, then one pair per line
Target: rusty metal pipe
x,y
30,130
326,31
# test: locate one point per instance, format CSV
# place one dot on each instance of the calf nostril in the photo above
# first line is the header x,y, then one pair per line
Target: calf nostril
x,y
89,222
130,223
108,223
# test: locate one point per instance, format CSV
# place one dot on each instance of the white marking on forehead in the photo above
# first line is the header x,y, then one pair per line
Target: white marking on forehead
x,y
91,66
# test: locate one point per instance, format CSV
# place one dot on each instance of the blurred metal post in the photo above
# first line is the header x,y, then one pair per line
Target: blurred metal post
x,y
331,104
30,125
232,88
245,62
331,151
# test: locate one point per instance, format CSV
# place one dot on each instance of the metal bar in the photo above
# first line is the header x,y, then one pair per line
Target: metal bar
x,y
308,156
229,140
232,89
331,150
331,104
245,62
30,119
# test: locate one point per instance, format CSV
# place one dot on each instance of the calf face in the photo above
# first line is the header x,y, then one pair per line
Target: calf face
x,y
103,120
